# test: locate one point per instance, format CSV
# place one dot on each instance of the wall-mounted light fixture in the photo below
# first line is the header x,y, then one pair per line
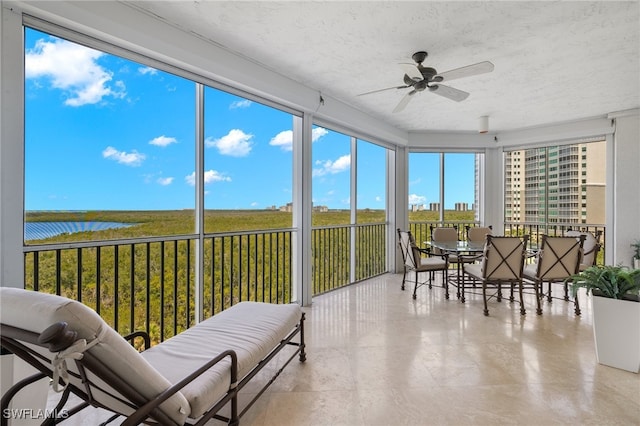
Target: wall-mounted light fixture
x,y
483,124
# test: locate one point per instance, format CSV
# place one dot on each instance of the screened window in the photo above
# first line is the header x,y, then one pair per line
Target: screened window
x,y
552,189
443,187
371,182
248,166
331,177
104,136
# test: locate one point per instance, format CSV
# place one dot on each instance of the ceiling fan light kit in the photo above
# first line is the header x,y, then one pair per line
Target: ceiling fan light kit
x,y
418,78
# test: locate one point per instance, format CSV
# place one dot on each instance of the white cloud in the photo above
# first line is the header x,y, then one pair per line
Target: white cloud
x,y
332,167
132,158
245,103
417,199
74,69
147,70
236,143
162,141
378,198
283,139
317,133
209,177
255,204
165,181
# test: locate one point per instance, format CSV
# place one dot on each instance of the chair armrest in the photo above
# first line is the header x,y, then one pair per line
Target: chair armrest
x,y
145,336
429,253
468,258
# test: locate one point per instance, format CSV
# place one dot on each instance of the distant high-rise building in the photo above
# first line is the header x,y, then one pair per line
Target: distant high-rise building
x,y
434,207
461,207
561,184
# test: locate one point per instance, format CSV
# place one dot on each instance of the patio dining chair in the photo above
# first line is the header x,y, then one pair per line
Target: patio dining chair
x,y
414,261
478,233
444,233
556,261
502,263
449,234
404,245
590,248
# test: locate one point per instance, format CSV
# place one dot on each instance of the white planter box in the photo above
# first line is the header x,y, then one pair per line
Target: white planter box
x,y
616,330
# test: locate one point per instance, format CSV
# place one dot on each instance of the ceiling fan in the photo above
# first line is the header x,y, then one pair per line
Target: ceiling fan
x,y
419,78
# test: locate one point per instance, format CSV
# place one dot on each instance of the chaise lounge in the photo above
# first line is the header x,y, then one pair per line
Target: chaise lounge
x,y
186,379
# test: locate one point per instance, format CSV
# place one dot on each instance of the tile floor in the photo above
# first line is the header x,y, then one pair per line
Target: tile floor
x,y
375,356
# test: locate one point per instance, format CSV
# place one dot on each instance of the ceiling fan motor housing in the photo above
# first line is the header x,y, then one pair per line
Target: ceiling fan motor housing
x,y
427,72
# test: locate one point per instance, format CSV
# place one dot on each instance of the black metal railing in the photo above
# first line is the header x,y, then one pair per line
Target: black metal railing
x,y
332,251
150,283
536,229
421,231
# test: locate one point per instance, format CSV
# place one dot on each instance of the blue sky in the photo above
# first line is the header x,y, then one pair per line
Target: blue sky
x,y
106,133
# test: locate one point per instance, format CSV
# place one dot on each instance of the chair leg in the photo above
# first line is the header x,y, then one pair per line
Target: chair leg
x,y
536,288
484,296
404,277
577,305
522,309
445,283
415,287
461,292
548,292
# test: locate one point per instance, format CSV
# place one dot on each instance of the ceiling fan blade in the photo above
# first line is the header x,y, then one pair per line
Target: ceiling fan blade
x,y
449,92
412,71
469,70
382,90
404,101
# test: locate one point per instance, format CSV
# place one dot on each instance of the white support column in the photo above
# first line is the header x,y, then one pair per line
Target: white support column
x,y
199,207
623,191
353,205
441,210
302,208
12,369
11,149
492,190
398,200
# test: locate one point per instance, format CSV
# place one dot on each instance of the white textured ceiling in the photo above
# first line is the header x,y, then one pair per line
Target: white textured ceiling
x,y
554,61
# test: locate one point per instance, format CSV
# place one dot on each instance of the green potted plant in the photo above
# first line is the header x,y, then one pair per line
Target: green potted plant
x,y
615,292
636,254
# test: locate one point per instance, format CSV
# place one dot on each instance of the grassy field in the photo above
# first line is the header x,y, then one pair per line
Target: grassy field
x,y
181,222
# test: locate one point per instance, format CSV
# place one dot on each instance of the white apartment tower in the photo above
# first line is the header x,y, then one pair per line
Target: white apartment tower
x,y
561,184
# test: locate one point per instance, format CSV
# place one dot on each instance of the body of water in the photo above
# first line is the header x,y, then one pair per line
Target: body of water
x,y
42,230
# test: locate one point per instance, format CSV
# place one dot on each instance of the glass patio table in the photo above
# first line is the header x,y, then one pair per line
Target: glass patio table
x,y
459,249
